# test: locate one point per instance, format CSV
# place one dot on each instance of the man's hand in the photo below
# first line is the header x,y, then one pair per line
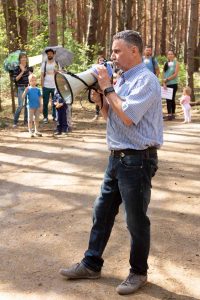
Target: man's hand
x,y
102,77
96,97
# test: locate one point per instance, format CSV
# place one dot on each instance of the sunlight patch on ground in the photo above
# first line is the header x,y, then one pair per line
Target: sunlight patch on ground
x,y
35,296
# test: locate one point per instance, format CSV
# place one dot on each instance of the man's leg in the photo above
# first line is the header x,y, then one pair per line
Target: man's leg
x,y
135,187
52,92
46,94
105,209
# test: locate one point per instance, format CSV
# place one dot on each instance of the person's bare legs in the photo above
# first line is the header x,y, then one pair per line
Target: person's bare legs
x,y
30,121
36,122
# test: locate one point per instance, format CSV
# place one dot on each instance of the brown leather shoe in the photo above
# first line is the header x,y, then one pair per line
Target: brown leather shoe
x,y
79,271
131,284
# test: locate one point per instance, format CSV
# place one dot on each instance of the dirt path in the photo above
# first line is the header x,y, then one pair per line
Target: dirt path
x,y
48,186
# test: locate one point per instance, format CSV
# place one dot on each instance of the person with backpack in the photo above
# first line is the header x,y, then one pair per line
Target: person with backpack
x,y
20,76
151,61
48,70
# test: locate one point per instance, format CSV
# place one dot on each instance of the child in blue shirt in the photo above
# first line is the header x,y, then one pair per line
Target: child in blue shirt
x,y
61,114
33,105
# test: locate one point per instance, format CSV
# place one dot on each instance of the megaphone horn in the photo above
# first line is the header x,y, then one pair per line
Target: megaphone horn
x,y
69,85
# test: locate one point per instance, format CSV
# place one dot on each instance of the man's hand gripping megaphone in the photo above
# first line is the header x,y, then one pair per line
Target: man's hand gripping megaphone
x,y
101,73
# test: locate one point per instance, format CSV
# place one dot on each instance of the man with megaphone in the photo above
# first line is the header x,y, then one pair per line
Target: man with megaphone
x,y
133,110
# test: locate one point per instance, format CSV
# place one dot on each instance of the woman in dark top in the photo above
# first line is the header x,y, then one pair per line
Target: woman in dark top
x,y
20,75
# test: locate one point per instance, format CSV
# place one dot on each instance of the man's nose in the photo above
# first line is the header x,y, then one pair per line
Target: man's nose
x,y
112,56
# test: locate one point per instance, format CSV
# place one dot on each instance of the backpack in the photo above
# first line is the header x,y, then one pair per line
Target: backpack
x,y
45,67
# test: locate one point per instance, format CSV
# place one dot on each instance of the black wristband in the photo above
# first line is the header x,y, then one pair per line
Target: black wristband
x,y
108,90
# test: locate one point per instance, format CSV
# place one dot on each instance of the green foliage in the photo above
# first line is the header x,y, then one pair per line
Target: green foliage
x,y
3,41
182,75
36,46
80,50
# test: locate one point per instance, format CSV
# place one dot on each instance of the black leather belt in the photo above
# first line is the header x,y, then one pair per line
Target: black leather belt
x,y
124,152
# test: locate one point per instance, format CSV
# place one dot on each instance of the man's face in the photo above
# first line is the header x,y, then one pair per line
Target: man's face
x,y
148,52
123,54
50,55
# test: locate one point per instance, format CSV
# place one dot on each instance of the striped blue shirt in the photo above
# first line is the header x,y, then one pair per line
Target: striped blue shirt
x,y
140,92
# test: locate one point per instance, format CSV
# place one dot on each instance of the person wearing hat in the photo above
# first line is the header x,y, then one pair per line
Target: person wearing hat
x,y
48,69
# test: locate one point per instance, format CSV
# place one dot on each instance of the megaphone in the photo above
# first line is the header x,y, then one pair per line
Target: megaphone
x,y
70,85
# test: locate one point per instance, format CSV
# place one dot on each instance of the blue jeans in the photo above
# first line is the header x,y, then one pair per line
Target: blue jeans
x,y
20,91
127,180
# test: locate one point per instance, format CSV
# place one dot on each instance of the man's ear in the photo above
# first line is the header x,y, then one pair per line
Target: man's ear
x,y
134,50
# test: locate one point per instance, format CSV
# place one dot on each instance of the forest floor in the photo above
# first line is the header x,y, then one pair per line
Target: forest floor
x,y
48,186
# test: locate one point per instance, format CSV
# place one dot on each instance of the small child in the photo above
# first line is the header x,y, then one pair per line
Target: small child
x,y
33,104
185,103
61,114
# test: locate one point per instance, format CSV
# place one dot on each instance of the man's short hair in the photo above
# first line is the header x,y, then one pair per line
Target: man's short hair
x,y
49,50
130,37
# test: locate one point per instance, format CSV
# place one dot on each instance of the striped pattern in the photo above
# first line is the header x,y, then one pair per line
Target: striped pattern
x,y
140,91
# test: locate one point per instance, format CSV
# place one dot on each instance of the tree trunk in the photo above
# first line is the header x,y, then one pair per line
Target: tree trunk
x,y
9,10
139,15
192,29
129,6
52,21
112,21
152,14
23,24
186,24
92,27
197,55
164,28
12,92
79,21
63,13
157,26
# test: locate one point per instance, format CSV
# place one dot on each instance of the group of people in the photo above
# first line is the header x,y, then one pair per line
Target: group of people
x,y
132,108
62,112
30,97
170,80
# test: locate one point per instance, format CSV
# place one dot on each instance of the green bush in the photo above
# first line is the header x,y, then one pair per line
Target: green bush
x,y
80,50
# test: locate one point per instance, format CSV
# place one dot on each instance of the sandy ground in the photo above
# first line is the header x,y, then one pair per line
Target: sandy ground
x,y
48,186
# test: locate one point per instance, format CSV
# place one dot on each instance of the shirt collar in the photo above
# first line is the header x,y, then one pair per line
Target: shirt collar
x,y
126,75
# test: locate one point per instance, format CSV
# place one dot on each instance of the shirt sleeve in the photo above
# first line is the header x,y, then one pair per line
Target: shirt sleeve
x,y
140,99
